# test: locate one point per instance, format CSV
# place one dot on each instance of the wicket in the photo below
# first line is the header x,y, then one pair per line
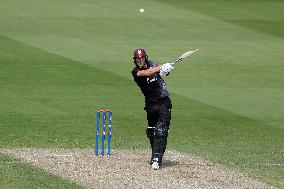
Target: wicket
x,y
101,123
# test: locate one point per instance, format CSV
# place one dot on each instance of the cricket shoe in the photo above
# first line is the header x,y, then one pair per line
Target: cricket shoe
x,y
155,164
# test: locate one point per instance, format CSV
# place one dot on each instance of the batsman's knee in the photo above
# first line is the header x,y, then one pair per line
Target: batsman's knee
x,y
161,129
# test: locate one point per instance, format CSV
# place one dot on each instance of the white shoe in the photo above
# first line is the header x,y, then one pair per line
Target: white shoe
x,y
155,164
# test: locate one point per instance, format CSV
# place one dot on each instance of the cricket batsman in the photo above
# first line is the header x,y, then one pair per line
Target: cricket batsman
x,y
147,75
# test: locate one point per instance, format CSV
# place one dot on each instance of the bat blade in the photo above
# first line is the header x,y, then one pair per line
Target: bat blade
x,y
185,55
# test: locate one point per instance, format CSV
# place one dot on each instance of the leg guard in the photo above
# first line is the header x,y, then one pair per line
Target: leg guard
x,y
150,131
160,140
150,134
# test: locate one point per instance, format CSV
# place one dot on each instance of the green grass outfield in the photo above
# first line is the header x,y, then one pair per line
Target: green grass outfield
x,y
61,61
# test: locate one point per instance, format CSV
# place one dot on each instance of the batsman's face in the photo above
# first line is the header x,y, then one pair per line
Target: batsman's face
x,y
140,61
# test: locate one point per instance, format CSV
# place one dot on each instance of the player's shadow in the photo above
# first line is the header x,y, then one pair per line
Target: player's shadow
x,y
169,163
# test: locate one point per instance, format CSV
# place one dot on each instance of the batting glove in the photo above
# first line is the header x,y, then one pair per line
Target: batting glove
x,y
166,69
